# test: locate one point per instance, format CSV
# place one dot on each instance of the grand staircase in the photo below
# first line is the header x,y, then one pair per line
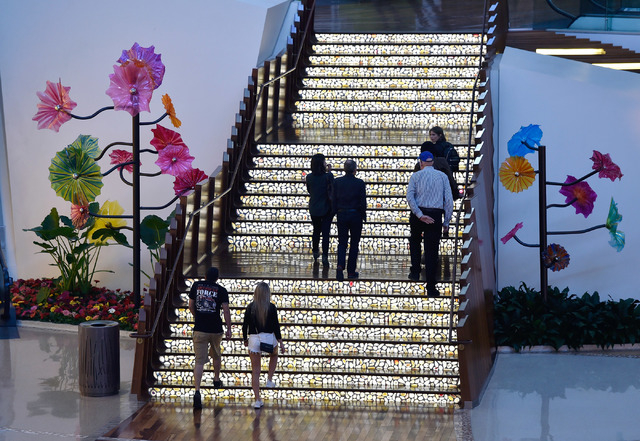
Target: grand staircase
x,y
379,340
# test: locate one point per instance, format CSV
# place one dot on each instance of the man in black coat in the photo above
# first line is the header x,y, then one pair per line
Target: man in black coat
x,y
350,196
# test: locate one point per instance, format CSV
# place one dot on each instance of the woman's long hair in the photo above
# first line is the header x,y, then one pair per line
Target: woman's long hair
x,y
261,301
317,164
438,131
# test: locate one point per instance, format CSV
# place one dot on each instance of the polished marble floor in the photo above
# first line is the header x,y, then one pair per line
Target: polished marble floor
x,y
534,396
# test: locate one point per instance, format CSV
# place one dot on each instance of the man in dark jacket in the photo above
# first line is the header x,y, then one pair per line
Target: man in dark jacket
x,y
350,196
206,299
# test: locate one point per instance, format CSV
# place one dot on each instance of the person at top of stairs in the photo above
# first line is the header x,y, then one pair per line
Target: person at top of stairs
x,y
350,196
206,298
320,187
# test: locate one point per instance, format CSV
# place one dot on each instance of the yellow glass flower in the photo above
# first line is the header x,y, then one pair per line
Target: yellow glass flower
x,y
516,174
108,209
171,111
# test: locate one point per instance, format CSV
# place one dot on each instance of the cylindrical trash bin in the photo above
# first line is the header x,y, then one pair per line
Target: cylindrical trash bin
x,y
99,358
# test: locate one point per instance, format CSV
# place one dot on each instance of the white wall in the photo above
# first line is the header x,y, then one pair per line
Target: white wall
x,y
208,47
580,108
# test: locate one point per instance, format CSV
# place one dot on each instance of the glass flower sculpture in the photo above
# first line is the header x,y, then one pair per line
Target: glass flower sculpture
x,y
555,257
186,182
75,176
162,137
171,111
87,144
54,107
120,157
146,58
580,195
108,209
131,88
516,174
605,166
613,219
507,237
174,160
80,214
530,135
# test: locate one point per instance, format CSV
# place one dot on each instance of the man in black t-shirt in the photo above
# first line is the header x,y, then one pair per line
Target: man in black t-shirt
x,y
206,299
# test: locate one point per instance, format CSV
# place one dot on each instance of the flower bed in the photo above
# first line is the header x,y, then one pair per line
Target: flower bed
x,y
41,300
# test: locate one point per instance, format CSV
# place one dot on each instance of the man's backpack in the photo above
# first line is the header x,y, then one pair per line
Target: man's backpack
x,y
452,157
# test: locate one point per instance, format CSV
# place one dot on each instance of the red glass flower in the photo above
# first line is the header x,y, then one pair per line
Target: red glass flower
x,y
507,237
581,194
188,181
54,106
80,214
605,166
162,137
120,157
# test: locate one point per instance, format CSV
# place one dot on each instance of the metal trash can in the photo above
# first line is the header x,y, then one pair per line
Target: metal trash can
x,y
99,358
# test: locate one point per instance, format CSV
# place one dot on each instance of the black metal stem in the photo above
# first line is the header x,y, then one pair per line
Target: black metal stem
x,y
120,166
149,123
567,184
136,208
562,205
578,231
109,146
542,213
97,112
167,204
530,245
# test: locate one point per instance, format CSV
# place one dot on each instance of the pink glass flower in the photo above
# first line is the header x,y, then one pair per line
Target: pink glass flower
x,y
162,137
147,58
54,106
581,194
120,157
174,160
188,181
605,166
80,214
507,237
131,88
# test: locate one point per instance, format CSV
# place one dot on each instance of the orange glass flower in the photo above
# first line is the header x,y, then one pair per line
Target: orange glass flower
x,y
516,174
171,111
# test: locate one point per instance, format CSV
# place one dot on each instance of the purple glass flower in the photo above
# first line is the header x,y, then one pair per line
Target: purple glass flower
x,y
174,160
131,88
147,58
507,237
581,194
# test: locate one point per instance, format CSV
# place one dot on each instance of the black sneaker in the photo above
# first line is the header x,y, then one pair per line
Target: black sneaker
x,y
433,293
197,400
414,276
218,384
354,275
340,275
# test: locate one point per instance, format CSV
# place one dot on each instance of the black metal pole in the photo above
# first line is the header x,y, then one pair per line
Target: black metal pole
x,y
542,213
136,208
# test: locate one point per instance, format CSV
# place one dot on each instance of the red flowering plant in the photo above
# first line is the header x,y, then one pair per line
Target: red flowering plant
x,y
76,177
43,300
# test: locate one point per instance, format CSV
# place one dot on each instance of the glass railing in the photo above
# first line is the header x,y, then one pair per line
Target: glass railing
x,y
578,15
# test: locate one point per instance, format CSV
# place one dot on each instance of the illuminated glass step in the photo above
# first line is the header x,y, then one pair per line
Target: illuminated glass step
x,y
302,214
360,396
396,202
299,188
396,49
379,120
336,162
395,60
335,365
384,106
388,83
302,244
305,229
391,72
338,348
331,151
385,94
399,38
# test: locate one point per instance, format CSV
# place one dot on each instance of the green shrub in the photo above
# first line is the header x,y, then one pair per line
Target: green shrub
x,y
522,319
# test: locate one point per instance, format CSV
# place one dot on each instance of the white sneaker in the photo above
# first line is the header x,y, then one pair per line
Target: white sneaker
x,y
271,384
258,404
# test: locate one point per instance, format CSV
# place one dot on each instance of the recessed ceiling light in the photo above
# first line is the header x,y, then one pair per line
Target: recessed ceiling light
x,y
619,66
567,51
